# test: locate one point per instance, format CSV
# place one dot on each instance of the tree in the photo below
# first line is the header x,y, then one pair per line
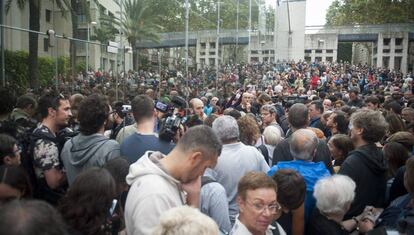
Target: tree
x,y
343,12
34,24
138,22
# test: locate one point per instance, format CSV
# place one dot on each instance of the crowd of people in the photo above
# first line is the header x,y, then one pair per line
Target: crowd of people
x,y
287,148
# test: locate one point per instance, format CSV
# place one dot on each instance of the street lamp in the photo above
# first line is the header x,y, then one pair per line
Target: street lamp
x,y
87,47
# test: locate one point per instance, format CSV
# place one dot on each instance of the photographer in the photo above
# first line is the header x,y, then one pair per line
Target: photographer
x,y
119,119
176,121
144,138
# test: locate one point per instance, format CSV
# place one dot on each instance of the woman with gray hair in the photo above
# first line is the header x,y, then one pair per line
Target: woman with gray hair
x,y
185,220
334,195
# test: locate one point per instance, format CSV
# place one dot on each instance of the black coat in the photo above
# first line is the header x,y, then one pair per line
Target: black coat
x,y
367,167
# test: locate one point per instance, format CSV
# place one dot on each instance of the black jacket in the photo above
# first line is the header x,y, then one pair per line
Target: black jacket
x,y
367,167
282,153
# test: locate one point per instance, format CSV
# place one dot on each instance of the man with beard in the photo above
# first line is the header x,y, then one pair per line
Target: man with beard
x,y
50,178
366,165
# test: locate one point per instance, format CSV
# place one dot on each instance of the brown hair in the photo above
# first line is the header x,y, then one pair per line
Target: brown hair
x,y
291,188
255,180
249,130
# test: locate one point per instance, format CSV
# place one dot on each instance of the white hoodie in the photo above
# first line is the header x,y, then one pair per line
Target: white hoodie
x,y
153,191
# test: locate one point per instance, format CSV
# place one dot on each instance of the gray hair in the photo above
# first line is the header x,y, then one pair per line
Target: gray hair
x,y
185,220
303,144
334,194
272,135
226,128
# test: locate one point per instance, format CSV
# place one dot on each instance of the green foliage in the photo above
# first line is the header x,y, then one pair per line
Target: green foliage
x,y
344,12
17,69
345,51
80,67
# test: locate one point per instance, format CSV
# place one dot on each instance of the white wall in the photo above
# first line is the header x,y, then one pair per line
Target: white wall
x,y
290,46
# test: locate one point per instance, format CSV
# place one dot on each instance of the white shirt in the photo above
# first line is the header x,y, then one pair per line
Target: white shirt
x,y
240,229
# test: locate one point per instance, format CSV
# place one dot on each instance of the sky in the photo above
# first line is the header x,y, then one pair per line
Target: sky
x,y
315,10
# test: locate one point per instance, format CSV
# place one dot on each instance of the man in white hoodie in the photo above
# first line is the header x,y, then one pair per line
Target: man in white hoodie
x,y
160,182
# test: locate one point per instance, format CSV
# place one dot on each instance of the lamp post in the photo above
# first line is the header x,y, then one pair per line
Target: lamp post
x,y
217,44
87,46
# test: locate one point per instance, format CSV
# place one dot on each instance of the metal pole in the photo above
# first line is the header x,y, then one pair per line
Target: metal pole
x,y
56,50
3,72
217,44
87,54
186,44
275,32
123,51
237,32
250,30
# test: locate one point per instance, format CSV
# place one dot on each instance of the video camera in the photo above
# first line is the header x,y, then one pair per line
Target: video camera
x,y
175,117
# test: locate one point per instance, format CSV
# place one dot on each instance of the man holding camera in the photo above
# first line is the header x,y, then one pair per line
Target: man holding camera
x,y
144,138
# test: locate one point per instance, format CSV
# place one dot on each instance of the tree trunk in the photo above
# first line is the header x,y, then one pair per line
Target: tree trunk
x,y
135,57
34,24
74,17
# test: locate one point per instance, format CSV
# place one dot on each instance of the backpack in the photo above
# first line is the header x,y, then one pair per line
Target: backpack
x,y
263,150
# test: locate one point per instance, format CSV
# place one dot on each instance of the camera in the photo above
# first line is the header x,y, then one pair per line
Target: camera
x,y
161,106
175,118
126,108
170,127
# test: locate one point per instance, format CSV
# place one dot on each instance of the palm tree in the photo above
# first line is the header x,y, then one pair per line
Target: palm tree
x,y
138,23
34,24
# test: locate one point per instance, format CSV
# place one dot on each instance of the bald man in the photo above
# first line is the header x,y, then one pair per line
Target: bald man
x,y
197,107
303,146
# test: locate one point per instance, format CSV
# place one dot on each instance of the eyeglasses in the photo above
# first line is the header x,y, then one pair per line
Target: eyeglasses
x,y
260,208
264,114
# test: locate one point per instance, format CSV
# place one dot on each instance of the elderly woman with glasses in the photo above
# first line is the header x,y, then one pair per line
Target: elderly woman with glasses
x,y
257,200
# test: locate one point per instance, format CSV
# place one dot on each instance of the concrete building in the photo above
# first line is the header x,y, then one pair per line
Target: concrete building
x,y
51,18
290,28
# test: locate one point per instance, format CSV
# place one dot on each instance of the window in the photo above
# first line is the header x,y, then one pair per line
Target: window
x,y
398,50
45,44
386,51
212,45
48,15
387,41
398,41
318,59
202,53
212,53
308,58
203,61
203,45
329,51
211,62
254,52
329,58
318,51
308,51
254,59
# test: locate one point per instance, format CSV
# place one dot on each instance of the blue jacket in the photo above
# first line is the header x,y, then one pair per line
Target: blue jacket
x,y
311,172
